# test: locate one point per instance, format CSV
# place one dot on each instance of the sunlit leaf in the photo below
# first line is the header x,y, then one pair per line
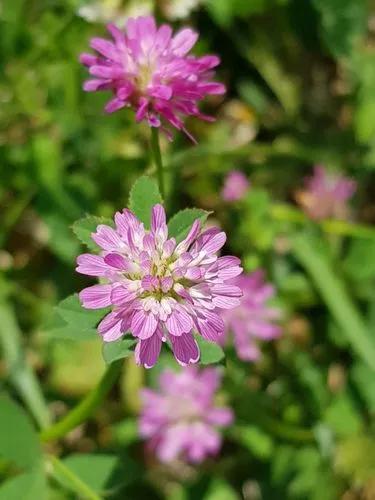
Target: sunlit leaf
x,y
343,23
180,223
83,228
94,470
19,442
117,350
210,352
256,440
27,486
71,310
74,322
143,196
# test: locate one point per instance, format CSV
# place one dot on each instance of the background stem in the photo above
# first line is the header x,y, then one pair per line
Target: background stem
x,y
86,407
308,251
156,154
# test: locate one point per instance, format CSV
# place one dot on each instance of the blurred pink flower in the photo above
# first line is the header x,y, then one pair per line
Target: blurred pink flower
x,y
326,195
181,419
235,186
160,290
253,320
150,70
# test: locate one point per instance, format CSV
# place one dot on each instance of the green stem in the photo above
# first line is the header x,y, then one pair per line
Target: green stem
x,y
14,213
155,149
309,253
71,480
276,428
86,407
286,213
286,431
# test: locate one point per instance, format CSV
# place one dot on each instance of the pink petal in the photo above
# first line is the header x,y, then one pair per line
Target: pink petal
x,y
163,37
102,71
185,349
106,48
110,327
214,243
92,265
173,442
179,322
210,325
126,220
96,296
107,238
114,105
158,218
88,59
190,238
220,416
226,296
147,351
212,88
115,260
142,109
94,85
143,324
121,295
183,41
117,35
161,92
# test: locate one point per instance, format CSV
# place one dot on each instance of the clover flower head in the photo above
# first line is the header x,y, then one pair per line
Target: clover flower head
x,y
254,320
150,70
158,289
181,420
326,195
235,186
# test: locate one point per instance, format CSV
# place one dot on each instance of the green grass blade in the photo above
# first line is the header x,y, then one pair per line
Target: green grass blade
x,y
308,252
21,376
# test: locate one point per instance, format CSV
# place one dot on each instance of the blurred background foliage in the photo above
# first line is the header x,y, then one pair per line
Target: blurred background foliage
x,y
301,91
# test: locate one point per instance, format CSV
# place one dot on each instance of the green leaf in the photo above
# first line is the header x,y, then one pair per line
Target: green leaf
x,y
360,262
143,196
355,458
219,489
342,416
70,332
312,480
362,68
210,352
74,322
125,432
28,486
94,470
343,23
262,54
117,350
71,310
19,442
60,238
365,382
83,228
180,223
224,11
254,439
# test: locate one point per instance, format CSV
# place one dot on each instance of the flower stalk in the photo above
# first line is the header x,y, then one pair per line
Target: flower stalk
x,y
86,407
156,154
